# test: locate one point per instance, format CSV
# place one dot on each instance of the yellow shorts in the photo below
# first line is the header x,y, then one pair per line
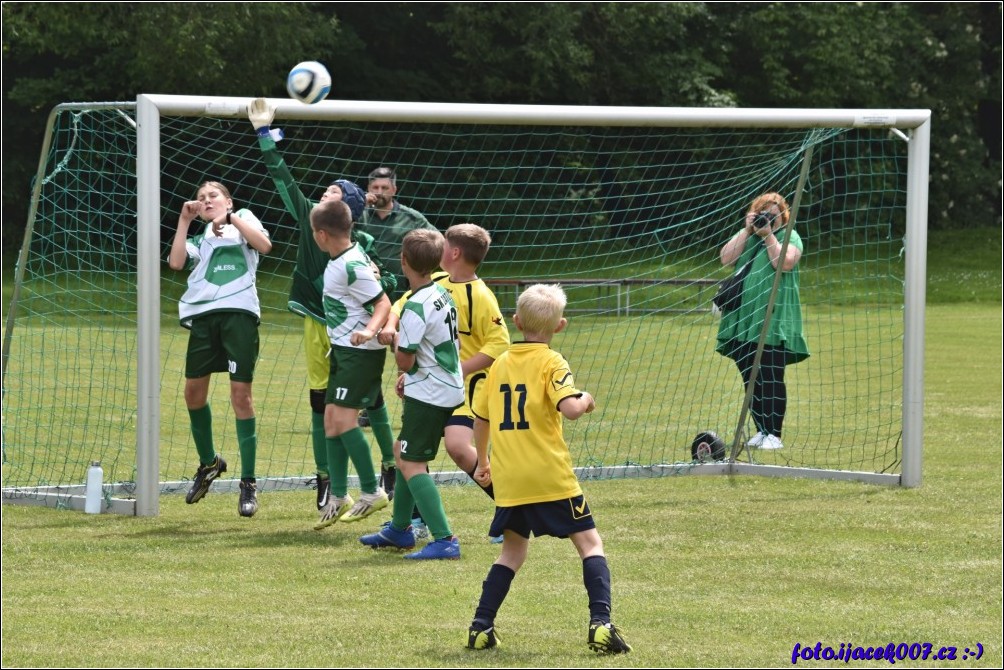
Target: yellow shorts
x,y
315,348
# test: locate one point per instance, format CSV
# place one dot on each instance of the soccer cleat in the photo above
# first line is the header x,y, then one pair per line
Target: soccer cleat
x,y
495,539
333,511
482,639
447,548
323,491
605,638
368,503
204,476
247,504
389,537
363,420
756,440
388,474
771,442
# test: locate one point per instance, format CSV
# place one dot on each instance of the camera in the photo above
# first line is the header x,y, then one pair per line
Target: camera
x,y
762,219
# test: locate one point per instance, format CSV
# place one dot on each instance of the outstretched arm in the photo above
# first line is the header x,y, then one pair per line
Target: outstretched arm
x,y
261,113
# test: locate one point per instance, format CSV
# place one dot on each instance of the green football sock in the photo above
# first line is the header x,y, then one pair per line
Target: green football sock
x,y
202,433
247,442
403,504
319,442
430,504
338,466
380,424
359,453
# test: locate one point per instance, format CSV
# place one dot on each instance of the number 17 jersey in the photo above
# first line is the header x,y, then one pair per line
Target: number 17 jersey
x,y
530,461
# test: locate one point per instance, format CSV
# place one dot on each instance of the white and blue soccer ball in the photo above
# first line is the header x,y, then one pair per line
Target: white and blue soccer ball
x,y
309,82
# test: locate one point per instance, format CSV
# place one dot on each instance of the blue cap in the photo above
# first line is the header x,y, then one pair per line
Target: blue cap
x,y
353,196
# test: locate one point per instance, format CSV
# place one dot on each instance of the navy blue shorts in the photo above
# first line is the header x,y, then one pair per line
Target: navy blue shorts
x,y
559,518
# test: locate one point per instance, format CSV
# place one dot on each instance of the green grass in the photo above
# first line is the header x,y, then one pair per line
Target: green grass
x,y
707,571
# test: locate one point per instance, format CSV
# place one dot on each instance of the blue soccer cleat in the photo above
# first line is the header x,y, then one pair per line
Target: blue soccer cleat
x,y
447,548
389,537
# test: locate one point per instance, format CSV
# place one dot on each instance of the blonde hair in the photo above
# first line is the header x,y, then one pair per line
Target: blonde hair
x,y
762,202
540,308
422,249
472,240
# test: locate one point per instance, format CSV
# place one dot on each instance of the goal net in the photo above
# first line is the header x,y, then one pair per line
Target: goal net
x,y
627,208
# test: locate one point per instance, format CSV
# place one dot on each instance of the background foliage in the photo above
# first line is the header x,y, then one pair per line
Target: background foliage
x,y
940,56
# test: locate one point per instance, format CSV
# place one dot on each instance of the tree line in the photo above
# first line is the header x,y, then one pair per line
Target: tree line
x,y
940,56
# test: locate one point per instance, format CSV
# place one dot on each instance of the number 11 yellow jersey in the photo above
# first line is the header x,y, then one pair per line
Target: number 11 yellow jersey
x,y
530,461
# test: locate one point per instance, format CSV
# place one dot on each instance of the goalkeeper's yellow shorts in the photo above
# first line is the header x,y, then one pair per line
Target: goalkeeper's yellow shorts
x,y
316,347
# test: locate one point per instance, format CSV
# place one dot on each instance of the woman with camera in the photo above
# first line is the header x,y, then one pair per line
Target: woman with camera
x,y
759,242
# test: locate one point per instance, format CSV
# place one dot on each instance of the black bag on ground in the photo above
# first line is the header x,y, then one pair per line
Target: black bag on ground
x,y
730,290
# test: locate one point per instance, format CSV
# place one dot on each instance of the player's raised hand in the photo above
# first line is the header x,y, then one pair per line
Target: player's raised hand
x,y
261,113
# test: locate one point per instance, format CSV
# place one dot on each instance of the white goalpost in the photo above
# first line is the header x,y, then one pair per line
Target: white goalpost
x,y
624,206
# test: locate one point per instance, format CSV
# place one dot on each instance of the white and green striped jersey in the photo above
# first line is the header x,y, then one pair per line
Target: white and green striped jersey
x,y
223,272
428,329
350,289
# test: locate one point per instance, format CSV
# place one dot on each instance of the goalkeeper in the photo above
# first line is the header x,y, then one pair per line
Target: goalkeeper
x,y
305,299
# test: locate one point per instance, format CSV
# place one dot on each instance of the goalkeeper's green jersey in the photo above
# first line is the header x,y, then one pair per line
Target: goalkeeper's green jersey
x,y
305,296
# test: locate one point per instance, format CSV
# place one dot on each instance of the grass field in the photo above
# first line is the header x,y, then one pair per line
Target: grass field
x,y
707,571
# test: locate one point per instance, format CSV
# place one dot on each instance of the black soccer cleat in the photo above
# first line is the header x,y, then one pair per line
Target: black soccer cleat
x,y
205,476
323,491
388,475
605,638
482,639
247,504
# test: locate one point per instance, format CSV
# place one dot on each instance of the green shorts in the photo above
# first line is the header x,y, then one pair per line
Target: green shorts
x,y
223,342
355,376
421,430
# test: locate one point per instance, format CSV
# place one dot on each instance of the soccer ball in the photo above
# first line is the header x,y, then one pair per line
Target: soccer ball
x,y
308,82
707,446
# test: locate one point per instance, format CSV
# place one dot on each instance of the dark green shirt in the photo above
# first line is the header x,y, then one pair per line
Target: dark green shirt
x,y
387,234
305,296
744,323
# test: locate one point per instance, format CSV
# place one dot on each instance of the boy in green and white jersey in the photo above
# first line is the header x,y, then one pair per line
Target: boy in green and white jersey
x,y
432,386
222,310
355,308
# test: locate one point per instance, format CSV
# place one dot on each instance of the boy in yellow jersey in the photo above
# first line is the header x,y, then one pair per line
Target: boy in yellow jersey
x,y
527,391
483,333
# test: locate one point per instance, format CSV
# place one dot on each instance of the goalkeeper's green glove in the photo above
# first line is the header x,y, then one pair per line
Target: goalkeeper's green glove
x,y
261,113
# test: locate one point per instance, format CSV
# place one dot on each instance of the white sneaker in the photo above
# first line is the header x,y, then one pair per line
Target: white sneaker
x,y
771,442
334,510
368,503
756,441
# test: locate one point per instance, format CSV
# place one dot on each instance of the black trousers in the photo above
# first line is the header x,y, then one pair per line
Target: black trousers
x,y
770,397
